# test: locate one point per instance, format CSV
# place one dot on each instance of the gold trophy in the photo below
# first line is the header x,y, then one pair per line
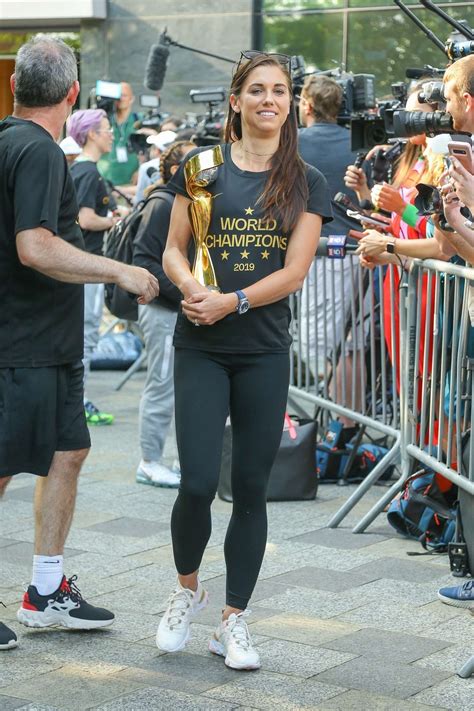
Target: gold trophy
x,y
200,171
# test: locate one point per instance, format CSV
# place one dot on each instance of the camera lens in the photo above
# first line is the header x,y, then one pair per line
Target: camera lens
x,y
413,123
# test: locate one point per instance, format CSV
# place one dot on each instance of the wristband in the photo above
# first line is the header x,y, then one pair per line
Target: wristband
x,y
410,215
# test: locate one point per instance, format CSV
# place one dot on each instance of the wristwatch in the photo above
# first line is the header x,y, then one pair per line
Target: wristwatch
x,y
243,303
391,246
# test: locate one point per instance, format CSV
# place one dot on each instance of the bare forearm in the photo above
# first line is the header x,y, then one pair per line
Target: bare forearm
x,y
178,270
462,244
419,248
95,223
59,260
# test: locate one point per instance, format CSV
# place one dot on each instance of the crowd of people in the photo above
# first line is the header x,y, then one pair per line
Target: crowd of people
x,y
225,346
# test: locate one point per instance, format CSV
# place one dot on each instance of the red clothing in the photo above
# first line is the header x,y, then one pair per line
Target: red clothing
x,y
401,230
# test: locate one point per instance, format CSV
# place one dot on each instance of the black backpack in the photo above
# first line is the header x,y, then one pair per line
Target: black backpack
x,y
118,245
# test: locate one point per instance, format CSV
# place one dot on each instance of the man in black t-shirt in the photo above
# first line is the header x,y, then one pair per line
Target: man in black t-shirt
x,y
42,269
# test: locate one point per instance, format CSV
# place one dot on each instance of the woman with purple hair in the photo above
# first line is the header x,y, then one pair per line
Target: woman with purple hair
x,y
92,132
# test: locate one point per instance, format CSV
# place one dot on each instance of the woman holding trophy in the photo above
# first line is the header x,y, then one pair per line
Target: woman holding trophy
x,y
255,210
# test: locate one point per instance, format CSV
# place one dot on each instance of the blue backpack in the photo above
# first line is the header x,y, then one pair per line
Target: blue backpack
x,y
425,510
332,459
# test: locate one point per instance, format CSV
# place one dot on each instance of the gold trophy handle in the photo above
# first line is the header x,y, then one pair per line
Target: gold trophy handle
x,y
199,172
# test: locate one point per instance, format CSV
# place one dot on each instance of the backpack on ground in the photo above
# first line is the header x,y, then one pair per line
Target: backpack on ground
x,y
118,245
425,510
351,461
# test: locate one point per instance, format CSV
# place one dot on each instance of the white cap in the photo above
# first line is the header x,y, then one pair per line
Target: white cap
x,y
162,140
439,143
69,146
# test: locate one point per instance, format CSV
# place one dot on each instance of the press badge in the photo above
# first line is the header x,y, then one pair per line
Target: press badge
x,y
122,155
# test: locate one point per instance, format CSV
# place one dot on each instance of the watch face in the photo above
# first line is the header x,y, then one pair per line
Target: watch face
x,y
244,307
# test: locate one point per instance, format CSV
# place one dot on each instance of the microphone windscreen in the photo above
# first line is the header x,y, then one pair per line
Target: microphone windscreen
x,y
155,69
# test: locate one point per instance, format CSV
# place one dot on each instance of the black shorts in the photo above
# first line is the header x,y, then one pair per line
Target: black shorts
x,y
41,412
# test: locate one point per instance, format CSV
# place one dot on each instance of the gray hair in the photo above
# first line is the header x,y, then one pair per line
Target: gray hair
x,y
45,70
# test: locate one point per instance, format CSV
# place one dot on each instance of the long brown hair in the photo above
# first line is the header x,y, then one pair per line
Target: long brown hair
x,y
286,189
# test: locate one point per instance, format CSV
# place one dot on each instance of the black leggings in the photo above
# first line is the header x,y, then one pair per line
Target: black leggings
x,y
253,388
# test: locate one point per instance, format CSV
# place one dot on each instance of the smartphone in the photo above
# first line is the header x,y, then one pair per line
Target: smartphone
x,y
368,220
463,152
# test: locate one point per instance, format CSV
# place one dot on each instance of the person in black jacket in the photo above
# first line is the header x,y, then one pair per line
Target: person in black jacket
x,y
157,323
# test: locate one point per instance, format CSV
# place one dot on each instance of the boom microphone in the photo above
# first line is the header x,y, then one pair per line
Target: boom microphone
x,y
155,69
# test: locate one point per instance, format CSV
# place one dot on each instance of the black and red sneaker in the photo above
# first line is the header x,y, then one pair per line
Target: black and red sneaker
x,y
65,607
8,638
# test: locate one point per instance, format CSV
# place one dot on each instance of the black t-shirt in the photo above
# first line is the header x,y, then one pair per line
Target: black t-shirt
x,y
245,248
327,146
41,319
91,192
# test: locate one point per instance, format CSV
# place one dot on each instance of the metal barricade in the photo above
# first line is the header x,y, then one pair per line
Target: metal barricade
x,y
346,324
340,357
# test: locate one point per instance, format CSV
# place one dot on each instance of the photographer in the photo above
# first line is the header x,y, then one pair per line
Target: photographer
x,y
120,164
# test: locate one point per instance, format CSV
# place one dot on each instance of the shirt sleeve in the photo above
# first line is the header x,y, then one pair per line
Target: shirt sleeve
x,y
38,183
87,188
319,202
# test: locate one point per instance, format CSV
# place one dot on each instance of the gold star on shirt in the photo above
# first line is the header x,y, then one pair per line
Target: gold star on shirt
x,y
244,254
265,254
225,254
249,211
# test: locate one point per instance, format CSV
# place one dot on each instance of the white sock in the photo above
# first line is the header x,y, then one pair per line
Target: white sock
x,y
47,573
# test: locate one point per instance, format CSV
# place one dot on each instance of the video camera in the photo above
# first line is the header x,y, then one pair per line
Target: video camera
x,y
104,95
210,126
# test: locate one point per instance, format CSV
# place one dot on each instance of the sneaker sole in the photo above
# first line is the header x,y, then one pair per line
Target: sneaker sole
x,y
217,648
456,603
182,644
141,479
99,424
33,618
10,645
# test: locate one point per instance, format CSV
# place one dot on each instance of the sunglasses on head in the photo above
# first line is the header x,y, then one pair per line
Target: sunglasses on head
x,y
283,59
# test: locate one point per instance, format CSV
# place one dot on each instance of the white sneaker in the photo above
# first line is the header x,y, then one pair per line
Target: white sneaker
x,y
173,630
157,474
232,641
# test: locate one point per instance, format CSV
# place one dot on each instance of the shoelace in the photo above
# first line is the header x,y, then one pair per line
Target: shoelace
x,y
239,631
468,585
70,589
179,602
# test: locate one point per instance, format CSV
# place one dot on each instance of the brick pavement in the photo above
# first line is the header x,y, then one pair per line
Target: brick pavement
x,y
341,621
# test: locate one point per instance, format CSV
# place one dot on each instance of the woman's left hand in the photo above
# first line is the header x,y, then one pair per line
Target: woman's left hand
x,y
372,243
205,308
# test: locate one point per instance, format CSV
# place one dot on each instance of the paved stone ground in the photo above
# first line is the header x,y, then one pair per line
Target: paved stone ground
x,y
341,621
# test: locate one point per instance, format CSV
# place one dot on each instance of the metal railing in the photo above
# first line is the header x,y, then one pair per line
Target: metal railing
x,y
391,352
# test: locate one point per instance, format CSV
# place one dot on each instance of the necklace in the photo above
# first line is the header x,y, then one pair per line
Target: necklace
x,y
255,154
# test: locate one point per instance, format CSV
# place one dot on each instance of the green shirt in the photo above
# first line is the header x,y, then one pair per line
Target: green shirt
x,y
113,169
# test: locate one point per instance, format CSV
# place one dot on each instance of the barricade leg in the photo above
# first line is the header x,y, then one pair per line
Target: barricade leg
x,y
467,670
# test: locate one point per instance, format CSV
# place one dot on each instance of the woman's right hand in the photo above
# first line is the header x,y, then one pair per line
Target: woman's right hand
x,y
355,179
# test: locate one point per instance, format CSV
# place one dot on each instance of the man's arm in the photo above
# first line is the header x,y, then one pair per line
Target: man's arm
x,y
90,220
39,249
